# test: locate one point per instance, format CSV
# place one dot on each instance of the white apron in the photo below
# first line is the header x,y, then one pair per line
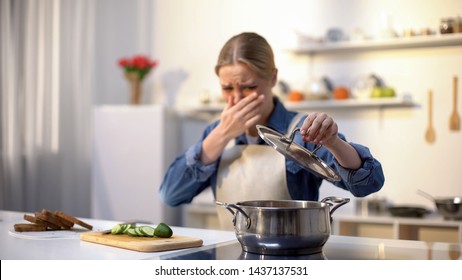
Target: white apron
x,y
250,172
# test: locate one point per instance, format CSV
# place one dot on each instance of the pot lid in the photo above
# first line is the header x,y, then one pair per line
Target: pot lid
x,y
305,158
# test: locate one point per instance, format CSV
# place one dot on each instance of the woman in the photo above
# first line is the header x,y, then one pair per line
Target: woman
x,y
238,165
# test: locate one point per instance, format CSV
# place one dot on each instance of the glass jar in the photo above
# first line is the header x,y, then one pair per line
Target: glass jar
x,y
447,25
457,25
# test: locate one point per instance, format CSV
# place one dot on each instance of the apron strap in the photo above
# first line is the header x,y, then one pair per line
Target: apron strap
x,y
294,122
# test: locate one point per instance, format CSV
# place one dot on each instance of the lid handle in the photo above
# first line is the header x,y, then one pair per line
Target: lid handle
x,y
291,139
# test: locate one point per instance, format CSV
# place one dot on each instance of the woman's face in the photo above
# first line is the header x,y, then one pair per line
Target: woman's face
x,y
238,81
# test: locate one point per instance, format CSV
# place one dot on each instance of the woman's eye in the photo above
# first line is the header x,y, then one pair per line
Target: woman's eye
x,y
250,89
227,89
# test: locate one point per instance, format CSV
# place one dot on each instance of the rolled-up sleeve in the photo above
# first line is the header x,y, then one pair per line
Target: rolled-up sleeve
x,y
186,177
365,180
201,171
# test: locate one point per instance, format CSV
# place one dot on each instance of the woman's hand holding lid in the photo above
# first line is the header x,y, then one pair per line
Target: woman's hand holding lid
x,y
319,128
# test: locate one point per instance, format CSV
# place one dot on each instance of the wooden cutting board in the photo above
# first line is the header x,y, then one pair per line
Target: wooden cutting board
x,y
142,244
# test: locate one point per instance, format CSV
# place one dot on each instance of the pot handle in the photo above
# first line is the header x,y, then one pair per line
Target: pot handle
x,y
234,206
335,199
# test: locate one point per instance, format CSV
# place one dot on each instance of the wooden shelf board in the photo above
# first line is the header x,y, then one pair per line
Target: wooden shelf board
x,y
208,109
440,40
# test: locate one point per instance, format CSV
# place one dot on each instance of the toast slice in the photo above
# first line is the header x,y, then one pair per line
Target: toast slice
x,y
47,220
37,221
50,222
73,219
66,224
29,227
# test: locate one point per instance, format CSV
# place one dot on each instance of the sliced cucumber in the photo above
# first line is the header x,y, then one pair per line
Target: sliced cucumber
x,y
138,231
131,232
123,228
126,228
117,229
162,230
147,231
120,229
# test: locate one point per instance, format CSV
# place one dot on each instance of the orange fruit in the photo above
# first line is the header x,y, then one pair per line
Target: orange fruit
x,y
295,96
340,93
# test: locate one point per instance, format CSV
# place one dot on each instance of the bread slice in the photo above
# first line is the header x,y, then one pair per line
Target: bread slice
x,y
66,224
73,219
47,220
50,222
37,221
29,227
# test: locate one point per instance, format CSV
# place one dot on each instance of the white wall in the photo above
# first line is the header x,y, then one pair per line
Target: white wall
x,y
122,29
189,34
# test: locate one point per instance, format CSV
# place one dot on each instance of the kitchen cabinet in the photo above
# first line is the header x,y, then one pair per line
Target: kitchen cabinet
x,y
201,213
201,216
430,229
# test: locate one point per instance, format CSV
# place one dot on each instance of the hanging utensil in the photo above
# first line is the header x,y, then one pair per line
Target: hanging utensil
x,y
454,120
430,134
426,195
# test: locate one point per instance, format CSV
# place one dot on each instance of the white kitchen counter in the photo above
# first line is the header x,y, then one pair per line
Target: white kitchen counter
x,y
14,247
217,245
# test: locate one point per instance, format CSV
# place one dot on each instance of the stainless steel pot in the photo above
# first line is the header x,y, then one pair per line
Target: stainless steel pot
x,y
449,207
283,227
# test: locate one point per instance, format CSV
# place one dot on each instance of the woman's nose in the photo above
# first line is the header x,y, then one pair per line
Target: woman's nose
x,y
238,95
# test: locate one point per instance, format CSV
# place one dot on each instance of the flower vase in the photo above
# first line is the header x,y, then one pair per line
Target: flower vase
x,y
135,88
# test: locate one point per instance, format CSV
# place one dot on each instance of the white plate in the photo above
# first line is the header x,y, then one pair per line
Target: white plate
x,y
48,234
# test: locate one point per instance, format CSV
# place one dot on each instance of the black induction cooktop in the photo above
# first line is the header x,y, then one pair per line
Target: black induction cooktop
x,y
233,251
336,248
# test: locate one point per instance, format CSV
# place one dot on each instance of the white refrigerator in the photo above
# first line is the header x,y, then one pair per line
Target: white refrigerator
x,y
132,149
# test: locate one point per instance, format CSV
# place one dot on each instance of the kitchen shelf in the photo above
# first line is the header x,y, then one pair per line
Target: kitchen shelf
x,y
406,101
440,40
352,103
429,229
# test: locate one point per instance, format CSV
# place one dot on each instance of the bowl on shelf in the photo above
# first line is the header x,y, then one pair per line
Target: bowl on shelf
x,y
450,207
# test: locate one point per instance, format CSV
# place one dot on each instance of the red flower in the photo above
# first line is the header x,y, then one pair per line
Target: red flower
x,y
123,62
138,64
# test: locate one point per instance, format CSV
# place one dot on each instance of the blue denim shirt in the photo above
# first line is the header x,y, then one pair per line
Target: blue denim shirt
x,y
187,176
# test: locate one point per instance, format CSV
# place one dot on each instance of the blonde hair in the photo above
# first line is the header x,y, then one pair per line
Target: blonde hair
x,y
251,49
